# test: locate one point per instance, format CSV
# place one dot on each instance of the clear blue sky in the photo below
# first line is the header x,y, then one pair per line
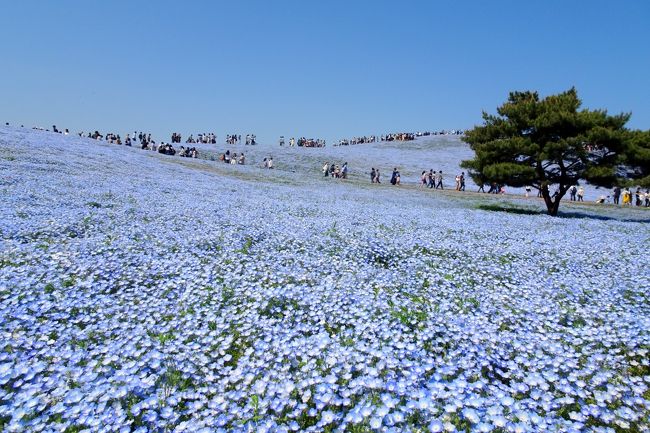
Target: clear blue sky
x,y
321,69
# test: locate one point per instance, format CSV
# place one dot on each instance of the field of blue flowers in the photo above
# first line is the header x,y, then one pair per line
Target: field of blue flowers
x,y
145,293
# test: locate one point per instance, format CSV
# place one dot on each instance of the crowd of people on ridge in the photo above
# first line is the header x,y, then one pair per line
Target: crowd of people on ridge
x,y
431,179
146,143
397,136
309,142
205,138
357,140
302,142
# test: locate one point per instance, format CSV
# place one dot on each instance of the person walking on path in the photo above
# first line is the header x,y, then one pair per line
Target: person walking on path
x,y
439,180
581,193
423,179
393,177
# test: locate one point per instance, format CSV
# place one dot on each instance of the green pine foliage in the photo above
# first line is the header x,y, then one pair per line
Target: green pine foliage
x,y
551,141
638,157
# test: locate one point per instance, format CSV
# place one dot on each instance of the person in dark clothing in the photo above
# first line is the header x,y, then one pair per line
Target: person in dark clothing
x,y
372,175
572,192
617,194
393,177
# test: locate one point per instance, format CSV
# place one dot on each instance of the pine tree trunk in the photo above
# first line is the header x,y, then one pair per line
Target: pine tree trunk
x,y
548,200
556,206
552,206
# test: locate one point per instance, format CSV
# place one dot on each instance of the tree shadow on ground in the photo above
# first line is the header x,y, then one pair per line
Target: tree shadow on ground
x,y
580,215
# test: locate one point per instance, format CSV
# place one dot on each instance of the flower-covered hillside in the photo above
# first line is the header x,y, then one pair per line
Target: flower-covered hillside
x,y
141,294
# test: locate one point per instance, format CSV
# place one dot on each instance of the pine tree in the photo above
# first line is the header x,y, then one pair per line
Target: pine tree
x,y
550,141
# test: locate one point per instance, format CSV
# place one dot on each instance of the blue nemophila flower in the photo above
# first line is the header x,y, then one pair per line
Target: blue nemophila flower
x,y
471,415
436,426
